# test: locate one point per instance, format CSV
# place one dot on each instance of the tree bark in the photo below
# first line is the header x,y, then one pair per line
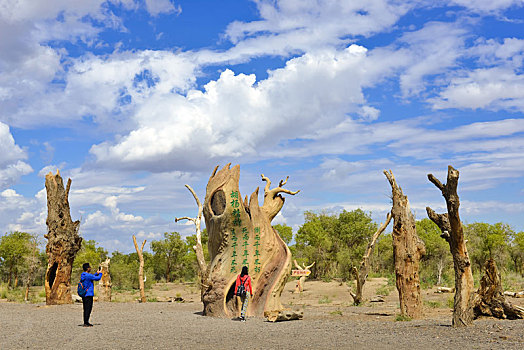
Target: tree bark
x,y
141,269
362,274
105,285
199,250
452,231
408,248
63,241
489,299
240,234
302,280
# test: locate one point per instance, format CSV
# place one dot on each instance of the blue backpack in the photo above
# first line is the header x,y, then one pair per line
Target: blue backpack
x,y
81,290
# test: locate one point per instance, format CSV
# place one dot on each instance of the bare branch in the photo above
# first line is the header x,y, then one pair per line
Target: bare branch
x,y
268,183
283,182
68,187
185,218
435,182
310,266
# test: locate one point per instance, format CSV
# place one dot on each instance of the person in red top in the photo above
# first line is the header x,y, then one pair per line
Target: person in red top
x,y
242,301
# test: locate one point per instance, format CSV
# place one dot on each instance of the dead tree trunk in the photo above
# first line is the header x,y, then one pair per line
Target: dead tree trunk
x,y
452,232
240,234
408,248
302,280
489,299
199,250
362,274
105,285
141,269
63,241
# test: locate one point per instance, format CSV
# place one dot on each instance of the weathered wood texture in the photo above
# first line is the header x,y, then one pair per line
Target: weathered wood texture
x,y
105,285
408,249
140,269
63,241
240,234
361,274
452,231
199,250
489,299
299,288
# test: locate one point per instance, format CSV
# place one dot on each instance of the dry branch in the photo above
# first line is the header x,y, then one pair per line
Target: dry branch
x,y
362,274
141,269
199,250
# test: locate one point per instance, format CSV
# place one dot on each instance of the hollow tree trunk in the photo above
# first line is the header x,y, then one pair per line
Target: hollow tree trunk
x,y
104,286
63,241
240,234
199,250
362,274
141,269
408,248
453,233
489,299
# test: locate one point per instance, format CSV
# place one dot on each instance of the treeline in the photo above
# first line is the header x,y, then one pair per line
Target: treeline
x,y
336,242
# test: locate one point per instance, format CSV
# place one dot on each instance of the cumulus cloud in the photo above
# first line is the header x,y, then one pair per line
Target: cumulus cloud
x,y
157,7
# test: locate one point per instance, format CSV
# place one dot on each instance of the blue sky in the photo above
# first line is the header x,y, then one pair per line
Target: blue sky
x,y
132,99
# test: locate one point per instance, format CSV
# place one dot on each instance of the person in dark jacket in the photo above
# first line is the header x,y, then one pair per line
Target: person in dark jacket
x,y
242,302
87,279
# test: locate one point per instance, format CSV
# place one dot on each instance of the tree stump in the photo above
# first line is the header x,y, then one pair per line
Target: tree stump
x,y
63,241
452,231
362,274
104,286
408,248
489,299
240,234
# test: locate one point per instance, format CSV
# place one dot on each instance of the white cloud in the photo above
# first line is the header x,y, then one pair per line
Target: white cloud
x,y
12,164
156,7
488,6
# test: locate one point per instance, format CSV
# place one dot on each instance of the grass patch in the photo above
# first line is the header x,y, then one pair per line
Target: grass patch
x,y
402,318
384,290
433,304
325,300
451,302
336,313
151,300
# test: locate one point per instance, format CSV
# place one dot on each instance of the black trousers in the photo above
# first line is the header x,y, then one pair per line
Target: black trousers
x,y
87,302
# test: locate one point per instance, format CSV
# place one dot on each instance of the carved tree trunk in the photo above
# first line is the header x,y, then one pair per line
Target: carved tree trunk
x,y
452,232
408,248
362,274
141,269
240,234
104,286
302,280
489,299
63,241
199,250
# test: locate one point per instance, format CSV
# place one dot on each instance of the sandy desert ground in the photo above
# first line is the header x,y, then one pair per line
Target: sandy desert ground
x,y
330,321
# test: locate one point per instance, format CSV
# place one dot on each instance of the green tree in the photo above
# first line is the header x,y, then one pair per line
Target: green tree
x,y
169,254
516,251
488,241
285,232
90,253
335,242
437,260
14,247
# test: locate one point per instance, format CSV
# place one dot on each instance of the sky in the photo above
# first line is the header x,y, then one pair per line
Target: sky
x,y
133,99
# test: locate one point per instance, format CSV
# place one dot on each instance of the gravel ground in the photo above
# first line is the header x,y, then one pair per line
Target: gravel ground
x,y
180,326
